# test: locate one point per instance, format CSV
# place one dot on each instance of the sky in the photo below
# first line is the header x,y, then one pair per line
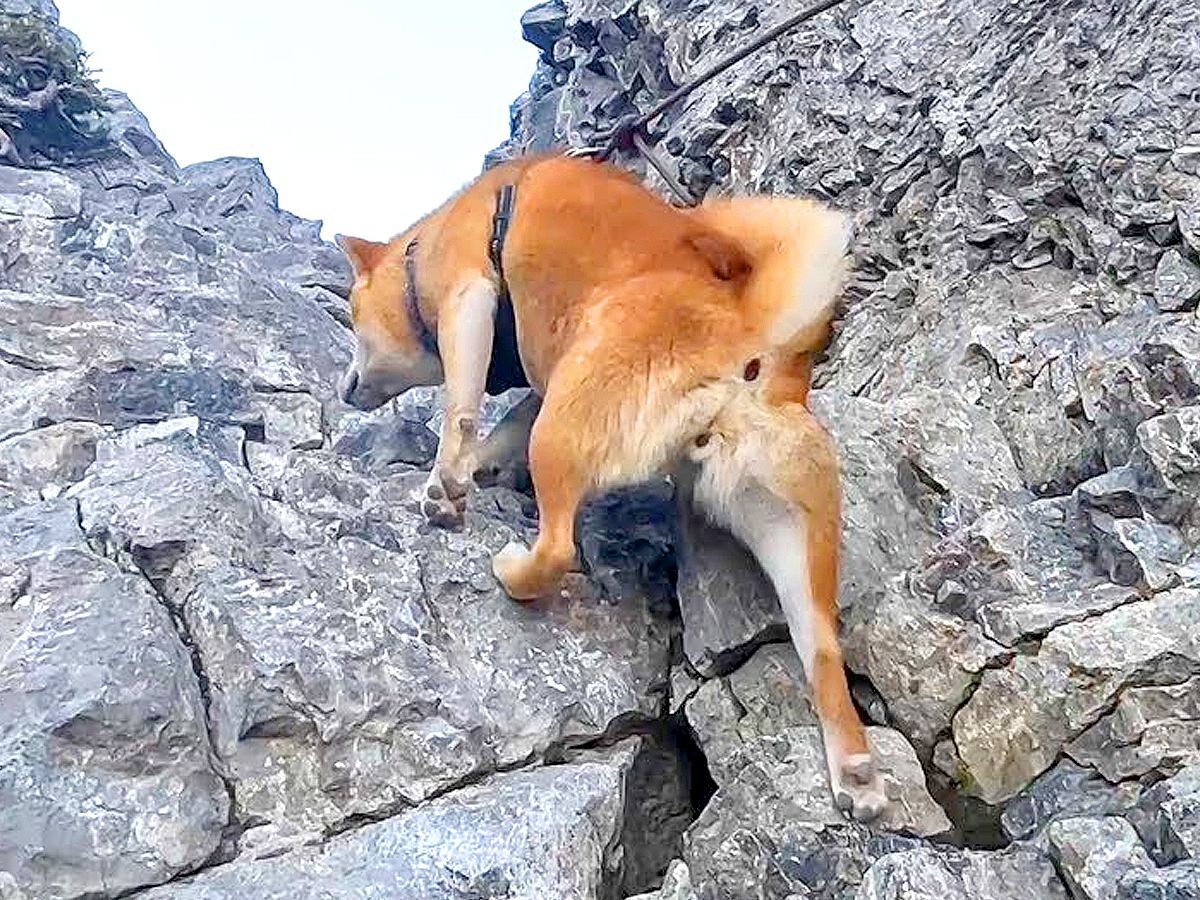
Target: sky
x,y
365,113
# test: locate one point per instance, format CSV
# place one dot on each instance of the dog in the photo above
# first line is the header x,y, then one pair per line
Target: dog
x,y
651,335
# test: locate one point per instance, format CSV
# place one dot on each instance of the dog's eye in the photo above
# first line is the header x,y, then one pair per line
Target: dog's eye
x,y
752,369
702,440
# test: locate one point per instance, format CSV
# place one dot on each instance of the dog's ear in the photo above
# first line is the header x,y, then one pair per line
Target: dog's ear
x,y
723,254
364,255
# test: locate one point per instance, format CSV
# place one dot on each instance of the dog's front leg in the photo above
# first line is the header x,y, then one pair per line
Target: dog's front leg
x,y
465,331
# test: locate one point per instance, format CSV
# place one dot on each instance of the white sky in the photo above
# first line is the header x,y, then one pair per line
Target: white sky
x,y
365,113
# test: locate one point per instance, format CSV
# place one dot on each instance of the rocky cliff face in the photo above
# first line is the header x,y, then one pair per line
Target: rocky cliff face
x,y
234,663
1013,388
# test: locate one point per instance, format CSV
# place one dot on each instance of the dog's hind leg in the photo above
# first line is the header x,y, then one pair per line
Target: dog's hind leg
x,y
784,505
465,339
593,433
561,477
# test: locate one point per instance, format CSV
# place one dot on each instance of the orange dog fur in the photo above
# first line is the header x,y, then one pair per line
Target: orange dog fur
x,y
650,334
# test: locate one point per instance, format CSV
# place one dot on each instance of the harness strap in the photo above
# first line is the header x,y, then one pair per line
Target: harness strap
x,y
500,222
505,370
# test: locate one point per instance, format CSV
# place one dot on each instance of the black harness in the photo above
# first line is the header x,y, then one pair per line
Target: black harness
x,y
505,370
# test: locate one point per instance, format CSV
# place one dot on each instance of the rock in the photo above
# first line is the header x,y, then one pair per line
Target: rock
x,y
1139,552
1078,671
660,786
676,885
340,667
44,8
925,874
548,832
924,664
760,716
39,195
1019,573
293,420
1149,728
773,802
1178,882
1166,453
543,24
1067,790
106,773
1115,492
1176,282
44,461
1094,855
1168,817
382,439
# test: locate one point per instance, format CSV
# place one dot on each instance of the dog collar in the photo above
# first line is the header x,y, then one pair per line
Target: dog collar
x,y
412,301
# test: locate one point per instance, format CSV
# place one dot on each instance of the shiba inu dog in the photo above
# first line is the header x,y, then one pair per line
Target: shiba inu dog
x,y
651,334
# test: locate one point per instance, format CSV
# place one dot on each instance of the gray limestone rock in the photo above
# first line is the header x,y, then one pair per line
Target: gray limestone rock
x,y
38,195
107,779
1068,790
1021,717
1168,454
1176,282
760,719
925,874
344,643
1168,818
267,614
1177,882
42,462
548,832
1019,573
676,885
772,826
1095,854
1152,728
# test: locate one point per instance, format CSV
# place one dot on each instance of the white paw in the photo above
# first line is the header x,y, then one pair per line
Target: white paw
x,y
441,504
512,556
507,565
858,787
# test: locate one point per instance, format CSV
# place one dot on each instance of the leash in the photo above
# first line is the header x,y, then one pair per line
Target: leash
x,y
630,134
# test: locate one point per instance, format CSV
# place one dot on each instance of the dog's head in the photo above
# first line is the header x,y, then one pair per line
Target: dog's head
x,y
389,358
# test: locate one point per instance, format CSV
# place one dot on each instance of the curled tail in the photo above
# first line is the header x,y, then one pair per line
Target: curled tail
x,y
797,252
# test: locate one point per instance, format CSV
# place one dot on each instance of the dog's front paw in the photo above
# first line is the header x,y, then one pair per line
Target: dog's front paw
x,y
858,787
442,501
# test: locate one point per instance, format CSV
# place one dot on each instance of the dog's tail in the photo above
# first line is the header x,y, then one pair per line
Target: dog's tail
x,y
797,253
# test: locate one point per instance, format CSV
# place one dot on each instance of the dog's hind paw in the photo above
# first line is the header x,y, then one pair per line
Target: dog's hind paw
x,y
858,788
510,566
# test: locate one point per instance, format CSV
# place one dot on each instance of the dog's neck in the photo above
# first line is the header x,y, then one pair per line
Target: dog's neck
x,y
412,302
